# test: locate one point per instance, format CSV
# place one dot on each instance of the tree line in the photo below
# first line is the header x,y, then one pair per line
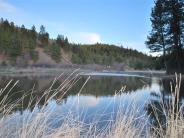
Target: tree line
x,y
21,43
18,41
167,34
106,54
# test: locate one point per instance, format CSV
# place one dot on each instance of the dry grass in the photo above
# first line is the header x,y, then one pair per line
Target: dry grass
x,y
36,124
173,112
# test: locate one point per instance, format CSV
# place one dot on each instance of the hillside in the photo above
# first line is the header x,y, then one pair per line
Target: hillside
x,y
26,47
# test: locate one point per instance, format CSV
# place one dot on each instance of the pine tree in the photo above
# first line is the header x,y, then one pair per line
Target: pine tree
x,y
157,39
43,36
33,37
167,33
33,31
60,40
42,30
176,31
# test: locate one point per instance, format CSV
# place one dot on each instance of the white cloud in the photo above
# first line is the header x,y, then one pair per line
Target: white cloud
x,y
85,37
141,47
7,7
137,45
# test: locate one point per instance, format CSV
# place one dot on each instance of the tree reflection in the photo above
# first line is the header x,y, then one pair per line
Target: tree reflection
x,y
162,104
35,91
106,86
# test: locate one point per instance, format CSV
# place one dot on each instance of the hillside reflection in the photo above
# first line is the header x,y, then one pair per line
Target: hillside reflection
x,y
33,88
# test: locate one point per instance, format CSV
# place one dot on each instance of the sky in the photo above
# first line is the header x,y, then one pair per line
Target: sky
x,y
119,22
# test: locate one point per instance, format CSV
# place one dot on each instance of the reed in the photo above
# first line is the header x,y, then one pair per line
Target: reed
x,y
37,124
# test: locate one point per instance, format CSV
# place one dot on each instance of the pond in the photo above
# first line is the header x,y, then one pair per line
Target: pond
x,y
99,100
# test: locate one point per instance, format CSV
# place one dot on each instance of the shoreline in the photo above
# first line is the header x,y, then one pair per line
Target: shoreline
x,y
38,71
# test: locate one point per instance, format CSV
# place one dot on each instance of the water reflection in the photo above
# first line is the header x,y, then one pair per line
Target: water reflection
x,y
33,88
96,98
28,92
166,102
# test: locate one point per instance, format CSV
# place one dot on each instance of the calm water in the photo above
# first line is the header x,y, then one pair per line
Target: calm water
x,y
98,101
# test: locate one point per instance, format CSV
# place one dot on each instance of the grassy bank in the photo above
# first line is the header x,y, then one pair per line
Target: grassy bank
x,y
37,124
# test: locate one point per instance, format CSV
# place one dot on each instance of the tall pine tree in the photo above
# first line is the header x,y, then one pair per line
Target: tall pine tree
x,y
175,32
157,38
167,33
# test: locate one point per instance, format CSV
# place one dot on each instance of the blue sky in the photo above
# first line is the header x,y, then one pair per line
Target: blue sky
x,y
120,22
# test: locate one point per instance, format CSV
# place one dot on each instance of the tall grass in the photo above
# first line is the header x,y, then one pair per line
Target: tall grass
x,y
173,126
38,123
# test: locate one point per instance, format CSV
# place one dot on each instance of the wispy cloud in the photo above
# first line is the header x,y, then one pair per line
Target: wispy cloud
x,y
85,37
7,7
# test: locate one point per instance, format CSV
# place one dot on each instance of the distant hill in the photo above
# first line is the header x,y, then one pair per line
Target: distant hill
x,y
26,47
